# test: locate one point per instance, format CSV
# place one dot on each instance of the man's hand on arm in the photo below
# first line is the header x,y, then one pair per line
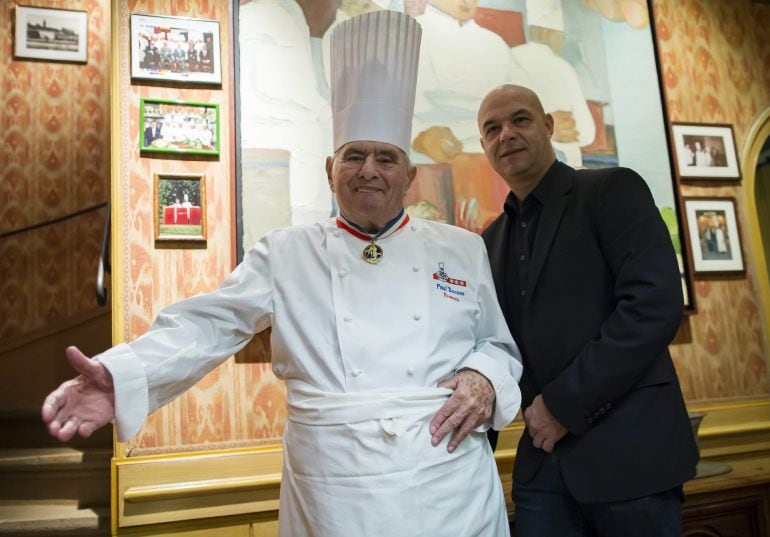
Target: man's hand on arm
x,y
542,426
470,405
83,404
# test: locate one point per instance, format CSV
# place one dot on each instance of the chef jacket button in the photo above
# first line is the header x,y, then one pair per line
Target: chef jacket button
x,y
342,273
413,227
357,372
410,371
347,318
608,406
336,232
415,268
416,316
590,421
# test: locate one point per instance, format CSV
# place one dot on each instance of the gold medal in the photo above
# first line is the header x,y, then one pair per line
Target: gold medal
x,y
372,254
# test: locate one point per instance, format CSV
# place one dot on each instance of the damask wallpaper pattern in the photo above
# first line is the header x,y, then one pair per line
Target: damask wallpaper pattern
x,y
54,160
240,402
715,58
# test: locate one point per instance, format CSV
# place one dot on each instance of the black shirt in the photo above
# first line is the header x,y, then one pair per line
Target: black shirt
x,y
523,219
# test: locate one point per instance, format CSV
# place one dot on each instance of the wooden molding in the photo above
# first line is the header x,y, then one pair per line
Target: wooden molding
x,y
158,489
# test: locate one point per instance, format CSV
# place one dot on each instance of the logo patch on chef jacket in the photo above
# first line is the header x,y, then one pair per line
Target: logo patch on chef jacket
x,y
452,288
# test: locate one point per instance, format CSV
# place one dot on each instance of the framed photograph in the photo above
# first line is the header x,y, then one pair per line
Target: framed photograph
x,y
57,35
180,207
714,237
175,49
178,127
705,152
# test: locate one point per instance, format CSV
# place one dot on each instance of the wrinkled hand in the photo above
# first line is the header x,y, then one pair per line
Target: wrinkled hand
x,y
542,426
83,404
469,406
564,127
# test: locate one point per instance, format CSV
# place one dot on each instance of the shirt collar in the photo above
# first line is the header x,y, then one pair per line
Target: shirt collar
x,y
389,224
538,194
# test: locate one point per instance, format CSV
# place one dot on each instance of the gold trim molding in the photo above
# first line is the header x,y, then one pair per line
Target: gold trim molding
x,y
755,139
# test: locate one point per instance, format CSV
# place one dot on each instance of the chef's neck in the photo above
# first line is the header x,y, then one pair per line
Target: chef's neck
x,y
373,228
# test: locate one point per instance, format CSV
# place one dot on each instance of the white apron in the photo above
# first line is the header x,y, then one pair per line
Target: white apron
x,y
361,464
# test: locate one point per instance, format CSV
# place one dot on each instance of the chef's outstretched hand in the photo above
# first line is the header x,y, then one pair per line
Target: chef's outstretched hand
x,y
469,406
83,404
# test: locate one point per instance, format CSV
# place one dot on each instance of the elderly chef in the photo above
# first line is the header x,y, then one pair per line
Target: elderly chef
x,y
386,330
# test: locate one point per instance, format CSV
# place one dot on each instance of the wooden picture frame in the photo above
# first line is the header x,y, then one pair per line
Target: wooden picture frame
x,y
181,127
180,207
54,35
175,49
714,234
705,152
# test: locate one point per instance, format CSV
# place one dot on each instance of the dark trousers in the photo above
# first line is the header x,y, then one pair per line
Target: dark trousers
x,y
544,508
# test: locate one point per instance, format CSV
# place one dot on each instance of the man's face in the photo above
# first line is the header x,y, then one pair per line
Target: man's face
x,y
370,180
516,134
462,10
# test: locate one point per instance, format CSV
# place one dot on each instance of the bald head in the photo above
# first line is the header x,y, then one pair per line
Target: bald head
x,y
516,136
512,91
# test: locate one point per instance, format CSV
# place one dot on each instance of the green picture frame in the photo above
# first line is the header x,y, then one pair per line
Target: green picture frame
x,y
178,127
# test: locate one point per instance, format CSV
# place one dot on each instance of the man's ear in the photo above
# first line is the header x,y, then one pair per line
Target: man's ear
x,y
329,163
549,124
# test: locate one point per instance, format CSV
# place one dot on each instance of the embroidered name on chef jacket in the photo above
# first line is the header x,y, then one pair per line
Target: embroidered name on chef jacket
x,y
448,286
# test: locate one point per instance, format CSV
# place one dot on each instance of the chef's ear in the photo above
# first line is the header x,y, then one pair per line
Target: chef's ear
x,y
329,163
411,173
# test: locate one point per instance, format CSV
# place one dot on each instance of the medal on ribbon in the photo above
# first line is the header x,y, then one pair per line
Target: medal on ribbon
x,y
373,252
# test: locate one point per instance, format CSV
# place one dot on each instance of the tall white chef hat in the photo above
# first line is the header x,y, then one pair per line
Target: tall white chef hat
x,y
374,60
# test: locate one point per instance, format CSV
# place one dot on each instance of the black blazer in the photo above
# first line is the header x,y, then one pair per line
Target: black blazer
x,y
604,299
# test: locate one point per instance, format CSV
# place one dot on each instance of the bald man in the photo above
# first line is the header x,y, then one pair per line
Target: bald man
x,y
589,284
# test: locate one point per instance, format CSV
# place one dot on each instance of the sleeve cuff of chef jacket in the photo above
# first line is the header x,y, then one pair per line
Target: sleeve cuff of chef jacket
x,y
130,385
507,394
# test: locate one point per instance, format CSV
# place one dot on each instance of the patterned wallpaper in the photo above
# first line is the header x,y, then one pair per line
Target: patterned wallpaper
x,y
716,69
240,402
54,160
715,55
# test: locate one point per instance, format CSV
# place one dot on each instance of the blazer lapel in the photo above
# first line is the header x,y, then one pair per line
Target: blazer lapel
x,y
549,222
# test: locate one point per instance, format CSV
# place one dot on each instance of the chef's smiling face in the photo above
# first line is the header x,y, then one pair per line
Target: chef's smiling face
x,y
370,180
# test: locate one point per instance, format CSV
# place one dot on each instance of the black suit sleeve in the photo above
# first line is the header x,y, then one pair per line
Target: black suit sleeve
x,y
637,248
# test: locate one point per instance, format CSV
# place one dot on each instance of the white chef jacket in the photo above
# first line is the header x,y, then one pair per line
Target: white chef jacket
x,y
362,348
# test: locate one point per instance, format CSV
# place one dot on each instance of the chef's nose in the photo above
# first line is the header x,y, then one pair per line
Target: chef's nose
x,y
368,167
